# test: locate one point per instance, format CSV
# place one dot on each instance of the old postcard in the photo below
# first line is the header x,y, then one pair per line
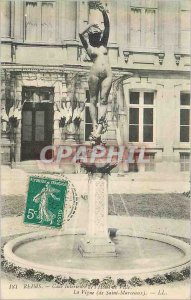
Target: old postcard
x,y
95,149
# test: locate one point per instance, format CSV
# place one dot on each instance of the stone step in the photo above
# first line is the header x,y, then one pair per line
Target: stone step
x,y
32,166
28,166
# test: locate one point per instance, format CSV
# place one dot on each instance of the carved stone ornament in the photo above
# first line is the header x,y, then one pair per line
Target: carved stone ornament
x,y
126,56
177,58
161,58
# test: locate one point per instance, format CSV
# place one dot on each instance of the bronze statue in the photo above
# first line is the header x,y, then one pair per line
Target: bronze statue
x,y
100,78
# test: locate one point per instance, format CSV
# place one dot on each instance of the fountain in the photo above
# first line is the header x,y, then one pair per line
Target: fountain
x,y
96,254
127,254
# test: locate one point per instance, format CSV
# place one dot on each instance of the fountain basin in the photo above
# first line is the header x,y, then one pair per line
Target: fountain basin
x,y
143,255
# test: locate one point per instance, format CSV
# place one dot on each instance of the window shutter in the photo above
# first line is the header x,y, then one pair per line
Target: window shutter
x,y
5,18
31,21
150,21
135,34
185,29
48,21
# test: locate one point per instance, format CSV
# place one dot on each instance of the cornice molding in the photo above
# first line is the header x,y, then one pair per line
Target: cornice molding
x,y
85,69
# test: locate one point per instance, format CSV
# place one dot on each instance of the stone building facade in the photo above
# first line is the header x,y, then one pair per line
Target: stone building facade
x,y
45,67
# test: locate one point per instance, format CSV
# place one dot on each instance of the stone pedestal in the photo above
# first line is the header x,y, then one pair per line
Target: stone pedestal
x,y
5,148
97,242
71,134
70,138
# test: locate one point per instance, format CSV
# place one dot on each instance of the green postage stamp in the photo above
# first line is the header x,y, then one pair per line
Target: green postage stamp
x,y
45,201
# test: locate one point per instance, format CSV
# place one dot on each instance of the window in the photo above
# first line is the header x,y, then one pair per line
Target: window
x,y
141,117
88,121
143,27
33,94
5,18
150,166
184,162
185,29
40,21
70,21
184,117
27,126
133,167
39,124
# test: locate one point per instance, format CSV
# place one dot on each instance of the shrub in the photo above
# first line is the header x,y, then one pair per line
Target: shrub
x,y
38,276
149,281
177,276
172,276
136,281
49,277
30,273
20,272
186,272
107,282
7,266
169,277
121,282
60,280
71,280
95,282
160,279
83,282
3,263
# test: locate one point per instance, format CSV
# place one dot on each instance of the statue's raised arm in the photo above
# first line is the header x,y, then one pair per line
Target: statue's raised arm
x,y
84,37
105,36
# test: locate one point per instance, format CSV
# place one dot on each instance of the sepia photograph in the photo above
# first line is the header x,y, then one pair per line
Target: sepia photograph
x,y
95,149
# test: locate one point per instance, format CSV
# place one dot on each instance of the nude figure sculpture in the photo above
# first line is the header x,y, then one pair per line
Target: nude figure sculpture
x,y
95,42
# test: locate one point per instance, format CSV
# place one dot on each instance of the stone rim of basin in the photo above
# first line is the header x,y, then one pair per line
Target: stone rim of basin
x,y
12,245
